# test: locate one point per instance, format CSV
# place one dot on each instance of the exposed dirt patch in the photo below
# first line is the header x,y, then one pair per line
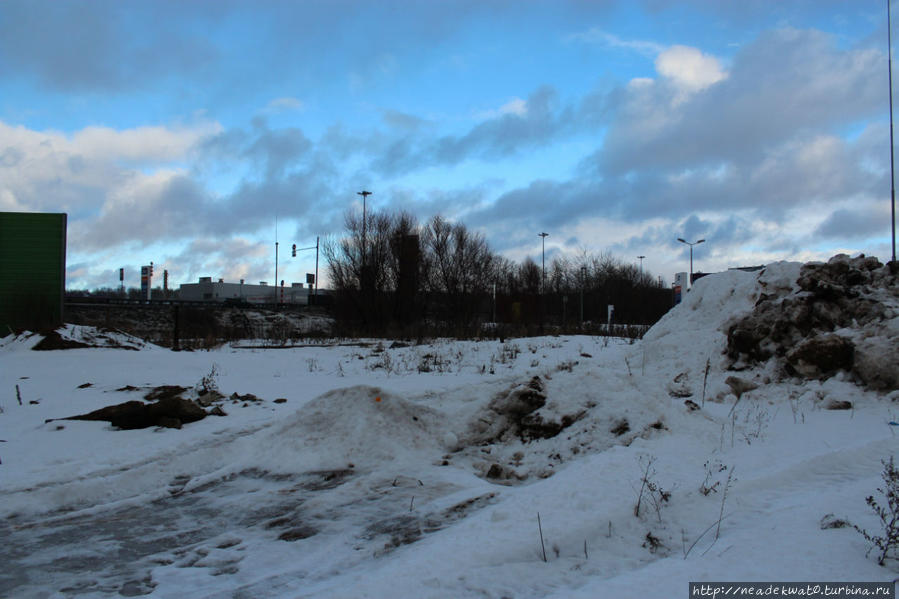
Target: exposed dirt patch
x,y
171,412
53,340
515,414
842,315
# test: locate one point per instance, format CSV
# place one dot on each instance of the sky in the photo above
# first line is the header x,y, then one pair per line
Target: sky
x,y
196,134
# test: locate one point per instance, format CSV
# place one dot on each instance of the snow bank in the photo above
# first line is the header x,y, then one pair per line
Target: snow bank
x,y
359,425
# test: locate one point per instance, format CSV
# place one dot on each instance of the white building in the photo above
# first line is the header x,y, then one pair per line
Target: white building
x,y
263,293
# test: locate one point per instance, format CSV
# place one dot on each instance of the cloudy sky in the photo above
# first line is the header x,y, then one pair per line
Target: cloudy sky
x,y
180,132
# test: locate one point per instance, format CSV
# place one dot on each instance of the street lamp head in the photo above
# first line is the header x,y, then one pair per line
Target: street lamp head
x,y
700,241
543,234
682,240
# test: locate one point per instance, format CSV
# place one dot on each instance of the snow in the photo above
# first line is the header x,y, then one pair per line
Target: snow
x,y
402,471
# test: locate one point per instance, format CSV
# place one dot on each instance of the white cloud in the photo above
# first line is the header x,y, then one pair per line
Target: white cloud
x,y
596,35
516,106
54,171
143,144
283,104
689,70
640,82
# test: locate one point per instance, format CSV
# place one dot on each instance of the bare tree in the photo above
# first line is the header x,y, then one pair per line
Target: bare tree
x,y
358,265
460,266
529,274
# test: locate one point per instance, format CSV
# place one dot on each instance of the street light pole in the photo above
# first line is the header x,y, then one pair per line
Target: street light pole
x,y
691,256
276,258
641,267
583,282
892,175
543,251
364,195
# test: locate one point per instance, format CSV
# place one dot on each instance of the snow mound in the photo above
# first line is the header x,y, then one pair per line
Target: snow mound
x,y
694,333
839,316
790,320
362,425
529,430
71,336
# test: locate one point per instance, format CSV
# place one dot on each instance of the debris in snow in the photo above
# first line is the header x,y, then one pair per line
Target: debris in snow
x,y
235,397
620,428
831,521
836,404
518,413
821,356
839,316
79,337
170,412
680,387
53,340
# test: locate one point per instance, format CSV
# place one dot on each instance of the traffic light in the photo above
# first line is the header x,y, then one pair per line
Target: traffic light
x,y
294,250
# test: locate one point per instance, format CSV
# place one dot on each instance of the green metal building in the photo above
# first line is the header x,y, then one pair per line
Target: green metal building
x,y
32,271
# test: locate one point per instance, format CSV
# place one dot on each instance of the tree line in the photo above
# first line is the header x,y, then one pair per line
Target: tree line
x,y
390,273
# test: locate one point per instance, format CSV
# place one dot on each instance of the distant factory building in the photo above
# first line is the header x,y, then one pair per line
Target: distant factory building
x,y
263,293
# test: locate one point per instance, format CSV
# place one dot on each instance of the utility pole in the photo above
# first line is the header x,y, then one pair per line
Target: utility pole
x,y
583,283
543,237
276,258
364,195
543,251
892,174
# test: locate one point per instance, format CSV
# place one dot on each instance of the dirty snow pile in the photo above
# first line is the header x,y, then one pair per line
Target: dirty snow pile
x,y
737,441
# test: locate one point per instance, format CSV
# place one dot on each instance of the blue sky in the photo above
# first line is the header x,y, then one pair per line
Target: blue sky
x,y
178,132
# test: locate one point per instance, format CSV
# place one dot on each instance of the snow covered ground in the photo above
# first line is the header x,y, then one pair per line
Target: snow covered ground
x,y
369,470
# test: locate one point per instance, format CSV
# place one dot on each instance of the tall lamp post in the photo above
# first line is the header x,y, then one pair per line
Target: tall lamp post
x,y
691,256
640,288
364,195
543,237
583,282
543,252
892,175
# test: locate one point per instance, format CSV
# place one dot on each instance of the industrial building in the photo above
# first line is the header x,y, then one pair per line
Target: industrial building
x,y
263,293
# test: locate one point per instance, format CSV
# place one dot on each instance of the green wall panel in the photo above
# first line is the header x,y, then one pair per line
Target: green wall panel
x,y
32,270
